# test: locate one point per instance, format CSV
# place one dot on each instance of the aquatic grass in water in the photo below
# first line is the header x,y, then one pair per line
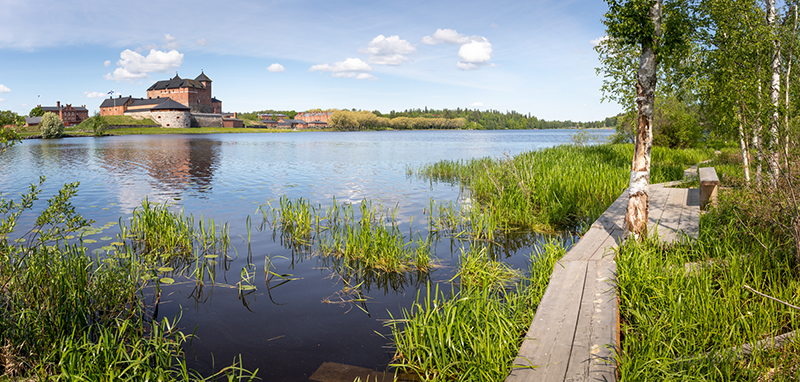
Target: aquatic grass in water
x,y
475,333
563,187
368,237
67,315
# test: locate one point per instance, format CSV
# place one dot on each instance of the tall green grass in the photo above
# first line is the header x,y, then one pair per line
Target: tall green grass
x,y
686,325
366,236
66,315
474,332
564,187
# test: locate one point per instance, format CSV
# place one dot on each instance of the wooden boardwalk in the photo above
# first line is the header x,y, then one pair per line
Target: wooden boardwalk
x,y
575,331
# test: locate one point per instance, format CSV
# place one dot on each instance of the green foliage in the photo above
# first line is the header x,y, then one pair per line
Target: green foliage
x,y
97,124
687,322
675,124
10,118
8,138
36,112
629,23
532,190
51,126
67,315
475,333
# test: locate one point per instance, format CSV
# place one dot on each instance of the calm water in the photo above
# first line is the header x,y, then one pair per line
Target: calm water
x,y
286,330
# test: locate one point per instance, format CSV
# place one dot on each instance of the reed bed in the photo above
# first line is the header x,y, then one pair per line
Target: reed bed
x,y
367,236
474,332
686,309
65,314
564,187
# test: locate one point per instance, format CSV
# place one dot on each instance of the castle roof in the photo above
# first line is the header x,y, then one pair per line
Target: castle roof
x,y
202,77
169,104
177,83
56,109
148,101
119,101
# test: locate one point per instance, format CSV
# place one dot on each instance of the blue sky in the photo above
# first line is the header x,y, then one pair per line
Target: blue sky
x,y
528,55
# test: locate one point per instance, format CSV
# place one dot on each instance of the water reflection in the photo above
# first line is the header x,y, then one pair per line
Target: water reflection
x,y
173,165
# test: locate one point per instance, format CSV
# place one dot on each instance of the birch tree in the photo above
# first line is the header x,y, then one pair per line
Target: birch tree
x,y
661,31
773,156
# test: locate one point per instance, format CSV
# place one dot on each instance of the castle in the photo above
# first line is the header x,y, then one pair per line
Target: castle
x,y
176,102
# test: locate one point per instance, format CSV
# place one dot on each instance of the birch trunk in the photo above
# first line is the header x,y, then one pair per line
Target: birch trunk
x,y
786,90
757,127
773,155
637,214
743,147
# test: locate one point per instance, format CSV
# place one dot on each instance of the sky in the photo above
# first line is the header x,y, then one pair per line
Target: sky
x,y
531,56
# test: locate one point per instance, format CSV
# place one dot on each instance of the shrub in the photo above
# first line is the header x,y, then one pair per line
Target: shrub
x,y
97,123
51,126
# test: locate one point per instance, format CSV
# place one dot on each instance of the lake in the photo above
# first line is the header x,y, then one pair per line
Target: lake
x,y
286,329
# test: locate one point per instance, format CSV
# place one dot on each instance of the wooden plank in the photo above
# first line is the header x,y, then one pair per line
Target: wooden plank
x,y
605,324
690,216
337,372
670,219
610,218
587,245
606,249
658,200
548,343
579,357
596,329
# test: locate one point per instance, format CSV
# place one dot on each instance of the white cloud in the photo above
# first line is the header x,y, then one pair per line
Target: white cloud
x,y
388,50
89,94
133,65
476,104
598,40
4,89
2,99
201,41
349,68
276,68
172,42
474,54
448,36
107,63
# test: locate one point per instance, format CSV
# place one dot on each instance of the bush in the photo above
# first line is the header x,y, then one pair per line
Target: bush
x,y
97,123
51,126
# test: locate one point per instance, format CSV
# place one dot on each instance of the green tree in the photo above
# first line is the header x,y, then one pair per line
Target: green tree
x,y
10,118
662,33
51,126
36,112
98,124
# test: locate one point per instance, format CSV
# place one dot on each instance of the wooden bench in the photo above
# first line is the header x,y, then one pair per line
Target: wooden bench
x,y
709,182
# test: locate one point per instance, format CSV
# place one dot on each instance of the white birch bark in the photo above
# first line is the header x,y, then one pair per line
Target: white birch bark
x,y
743,148
773,154
786,90
639,200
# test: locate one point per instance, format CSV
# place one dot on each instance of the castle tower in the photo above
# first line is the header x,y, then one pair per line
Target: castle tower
x,y
203,79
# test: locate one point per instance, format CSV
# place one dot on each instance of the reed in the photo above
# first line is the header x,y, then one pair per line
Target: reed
x,y
564,187
67,315
474,333
368,237
684,322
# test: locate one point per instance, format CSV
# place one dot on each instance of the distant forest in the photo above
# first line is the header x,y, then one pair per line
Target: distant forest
x,y
496,120
474,119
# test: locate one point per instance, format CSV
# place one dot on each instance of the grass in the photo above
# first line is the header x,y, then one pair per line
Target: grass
x,y
474,333
367,237
564,187
67,315
690,325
